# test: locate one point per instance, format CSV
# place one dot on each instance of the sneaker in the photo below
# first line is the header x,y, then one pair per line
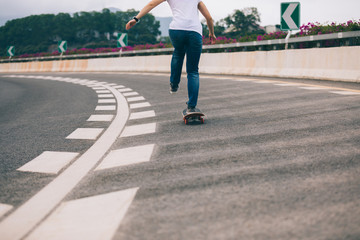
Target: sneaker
x,y
192,110
173,88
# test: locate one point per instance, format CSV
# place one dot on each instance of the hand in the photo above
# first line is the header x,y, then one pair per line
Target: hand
x,y
130,24
212,38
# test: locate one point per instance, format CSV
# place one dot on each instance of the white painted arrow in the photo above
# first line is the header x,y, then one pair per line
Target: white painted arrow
x,y
287,16
62,46
10,51
121,40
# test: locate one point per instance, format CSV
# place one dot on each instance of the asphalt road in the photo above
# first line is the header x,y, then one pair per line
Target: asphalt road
x,y
275,159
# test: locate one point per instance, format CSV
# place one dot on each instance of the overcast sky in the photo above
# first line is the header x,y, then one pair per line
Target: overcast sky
x,y
322,11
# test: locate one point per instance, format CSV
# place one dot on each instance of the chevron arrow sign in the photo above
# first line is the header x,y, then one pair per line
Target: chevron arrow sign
x,y
10,51
62,46
290,16
122,40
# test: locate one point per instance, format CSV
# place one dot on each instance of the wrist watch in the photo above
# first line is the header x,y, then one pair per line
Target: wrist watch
x,y
136,19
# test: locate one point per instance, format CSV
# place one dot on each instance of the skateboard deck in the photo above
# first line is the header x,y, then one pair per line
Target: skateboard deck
x,y
194,116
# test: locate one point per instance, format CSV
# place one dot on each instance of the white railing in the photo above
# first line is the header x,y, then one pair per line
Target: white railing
x,y
259,44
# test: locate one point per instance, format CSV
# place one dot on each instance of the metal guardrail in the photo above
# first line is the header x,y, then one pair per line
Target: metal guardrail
x,y
333,36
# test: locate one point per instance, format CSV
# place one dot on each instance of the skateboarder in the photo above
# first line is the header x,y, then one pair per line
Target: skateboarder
x,y
186,36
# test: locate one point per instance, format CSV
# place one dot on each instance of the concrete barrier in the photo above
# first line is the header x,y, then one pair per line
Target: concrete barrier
x,y
339,64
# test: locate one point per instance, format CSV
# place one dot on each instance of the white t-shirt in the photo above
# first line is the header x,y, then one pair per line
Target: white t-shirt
x,y
185,15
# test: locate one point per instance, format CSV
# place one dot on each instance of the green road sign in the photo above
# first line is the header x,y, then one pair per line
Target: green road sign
x,y
290,16
122,40
10,51
62,46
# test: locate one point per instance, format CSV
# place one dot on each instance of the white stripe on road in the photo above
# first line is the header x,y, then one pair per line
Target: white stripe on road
x,y
85,133
130,94
124,90
4,208
348,93
141,115
49,162
127,156
106,101
105,108
118,86
20,222
313,88
103,91
101,118
139,130
135,99
92,218
98,88
105,96
139,105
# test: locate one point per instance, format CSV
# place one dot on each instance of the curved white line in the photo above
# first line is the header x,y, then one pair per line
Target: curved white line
x,y
26,217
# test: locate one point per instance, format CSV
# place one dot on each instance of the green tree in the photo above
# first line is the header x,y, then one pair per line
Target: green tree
x,y
242,22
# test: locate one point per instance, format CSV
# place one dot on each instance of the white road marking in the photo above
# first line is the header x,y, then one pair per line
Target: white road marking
x,y
20,222
130,94
98,88
313,88
92,218
127,156
349,93
101,118
85,133
112,84
105,108
139,130
49,162
4,208
105,96
119,86
142,115
103,91
106,101
124,90
135,99
286,84
139,105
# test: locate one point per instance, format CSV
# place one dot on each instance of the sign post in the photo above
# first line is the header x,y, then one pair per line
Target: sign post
x,y
122,40
62,47
289,18
10,51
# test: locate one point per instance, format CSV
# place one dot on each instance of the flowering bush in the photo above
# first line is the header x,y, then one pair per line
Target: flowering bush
x,y
305,30
317,29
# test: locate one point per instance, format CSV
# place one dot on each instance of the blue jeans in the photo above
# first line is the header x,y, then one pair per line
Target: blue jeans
x,y
189,43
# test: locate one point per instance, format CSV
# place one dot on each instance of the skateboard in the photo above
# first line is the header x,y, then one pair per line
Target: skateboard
x,y
193,116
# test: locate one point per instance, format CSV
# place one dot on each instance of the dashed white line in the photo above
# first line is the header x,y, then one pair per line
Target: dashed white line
x,y
85,133
139,130
20,222
92,218
49,162
127,156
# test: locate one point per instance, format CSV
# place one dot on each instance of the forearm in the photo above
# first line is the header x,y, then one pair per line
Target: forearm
x,y
148,8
